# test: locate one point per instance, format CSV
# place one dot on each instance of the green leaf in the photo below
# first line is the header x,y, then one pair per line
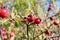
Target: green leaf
x,y
16,24
6,25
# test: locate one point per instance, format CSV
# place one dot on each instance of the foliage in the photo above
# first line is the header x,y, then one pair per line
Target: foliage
x,y
18,9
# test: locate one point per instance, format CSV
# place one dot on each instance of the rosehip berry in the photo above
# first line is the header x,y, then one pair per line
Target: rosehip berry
x,y
34,18
37,21
49,8
51,18
3,13
11,34
25,19
47,32
3,29
3,33
55,22
30,19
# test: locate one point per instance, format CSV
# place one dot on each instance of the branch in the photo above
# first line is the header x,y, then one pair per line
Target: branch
x,y
53,36
43,32
50,25
52,16
21,16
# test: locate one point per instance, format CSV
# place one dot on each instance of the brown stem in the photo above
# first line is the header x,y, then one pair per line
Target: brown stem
x,y
43,32
52,16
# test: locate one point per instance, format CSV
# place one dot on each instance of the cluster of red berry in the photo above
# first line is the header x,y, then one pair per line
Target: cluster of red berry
x,y
3,34
55,22
3,11
32,18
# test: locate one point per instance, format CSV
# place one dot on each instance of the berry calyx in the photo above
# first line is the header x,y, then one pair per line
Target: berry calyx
x,y
37,21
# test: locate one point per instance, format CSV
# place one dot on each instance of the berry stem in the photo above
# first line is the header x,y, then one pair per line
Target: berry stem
x,y
27,32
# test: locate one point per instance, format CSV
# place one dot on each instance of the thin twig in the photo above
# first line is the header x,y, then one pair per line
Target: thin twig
x,y
43,32
52,16
34,32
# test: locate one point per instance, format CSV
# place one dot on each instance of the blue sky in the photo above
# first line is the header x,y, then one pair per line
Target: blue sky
x,y
58,4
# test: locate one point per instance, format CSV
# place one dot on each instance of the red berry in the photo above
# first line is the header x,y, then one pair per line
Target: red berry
x,y
51,18
47,32
30,19
3,33
11,34
55,22
34,18
49,8
30,15
3,29
3,13
25,19
37,21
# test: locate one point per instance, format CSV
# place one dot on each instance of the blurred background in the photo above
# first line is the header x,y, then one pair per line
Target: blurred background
x,y
17,9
